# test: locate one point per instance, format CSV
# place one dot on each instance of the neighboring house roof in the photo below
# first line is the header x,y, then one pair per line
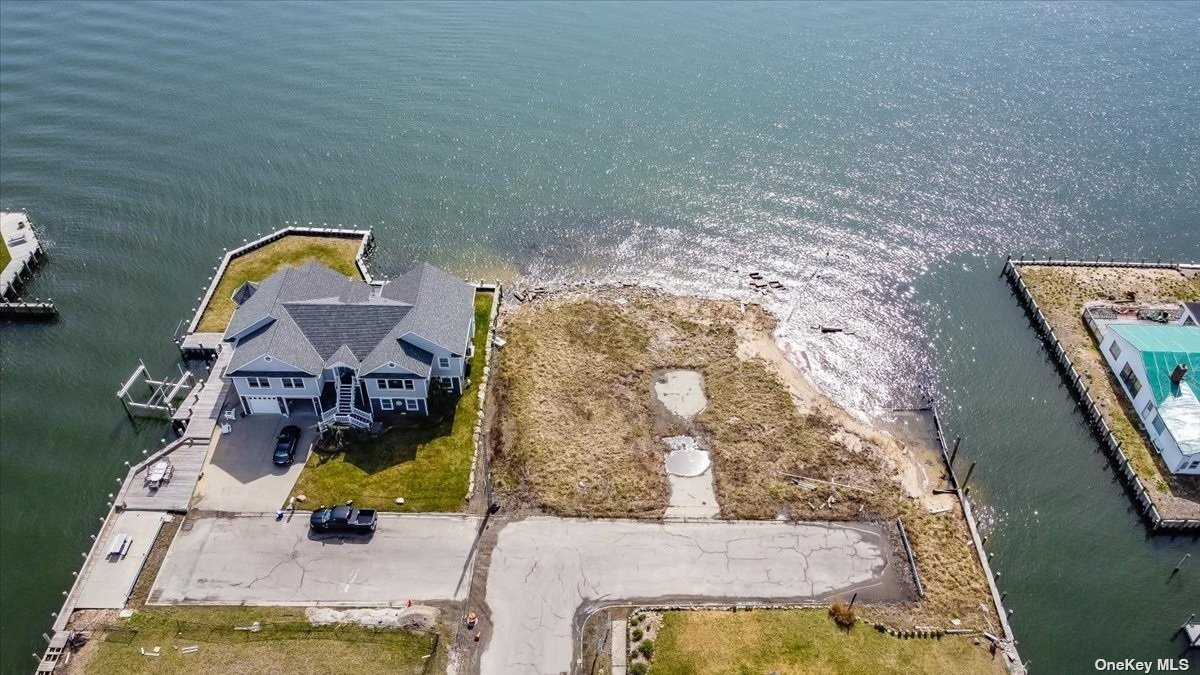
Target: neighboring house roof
x,y
1193,308
311,317
1162,349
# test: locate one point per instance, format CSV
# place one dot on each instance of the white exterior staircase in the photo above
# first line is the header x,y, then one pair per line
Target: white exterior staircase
x,y
344,411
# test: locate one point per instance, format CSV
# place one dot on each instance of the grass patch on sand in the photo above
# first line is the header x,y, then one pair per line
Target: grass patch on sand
x,y
578,435
286,644
5,256
336,253
1061,293
803,641
430,468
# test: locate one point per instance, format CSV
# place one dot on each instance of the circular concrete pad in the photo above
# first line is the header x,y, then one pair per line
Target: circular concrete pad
x,y
686,458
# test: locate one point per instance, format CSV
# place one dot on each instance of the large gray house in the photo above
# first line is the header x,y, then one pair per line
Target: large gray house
x,y
309,338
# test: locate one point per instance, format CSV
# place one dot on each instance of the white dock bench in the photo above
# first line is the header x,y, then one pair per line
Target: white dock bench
x,y
120,546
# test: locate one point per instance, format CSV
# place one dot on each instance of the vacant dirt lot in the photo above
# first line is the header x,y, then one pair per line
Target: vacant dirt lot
x,y
577,431
1061,293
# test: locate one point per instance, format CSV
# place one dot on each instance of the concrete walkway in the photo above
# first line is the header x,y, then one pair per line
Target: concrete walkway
x,y
254,560
544,569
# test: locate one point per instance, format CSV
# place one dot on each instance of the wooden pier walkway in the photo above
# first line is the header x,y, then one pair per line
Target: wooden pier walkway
x,y
198,418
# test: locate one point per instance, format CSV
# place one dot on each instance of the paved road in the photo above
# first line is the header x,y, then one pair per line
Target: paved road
x,y
254,560
544,569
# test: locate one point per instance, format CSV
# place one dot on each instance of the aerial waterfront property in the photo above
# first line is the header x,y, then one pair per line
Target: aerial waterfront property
x,y
1122,333
348,350
772,234
1158,367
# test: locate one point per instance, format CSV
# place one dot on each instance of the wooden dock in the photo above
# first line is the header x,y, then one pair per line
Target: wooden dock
x,y
197,420
30,311
22,244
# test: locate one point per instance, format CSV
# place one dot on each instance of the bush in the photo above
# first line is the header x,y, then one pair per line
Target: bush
x,y
638,668
842,614
647,648
636,634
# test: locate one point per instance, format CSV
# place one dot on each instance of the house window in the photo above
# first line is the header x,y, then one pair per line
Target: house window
x,y
448,381
257,382
386,404
1148,410
1114,349
412,404
1158,424
443,362
293,383
397,384
1194,465
1132,383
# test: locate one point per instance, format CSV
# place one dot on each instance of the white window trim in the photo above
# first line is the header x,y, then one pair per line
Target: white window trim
x,y
258,382
443,362
292,382
412,404
386,404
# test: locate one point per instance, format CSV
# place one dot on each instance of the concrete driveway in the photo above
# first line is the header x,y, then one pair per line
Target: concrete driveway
x,y
255,560
239,475
544,569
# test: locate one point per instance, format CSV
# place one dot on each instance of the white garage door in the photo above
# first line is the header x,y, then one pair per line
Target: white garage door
x,y
263,405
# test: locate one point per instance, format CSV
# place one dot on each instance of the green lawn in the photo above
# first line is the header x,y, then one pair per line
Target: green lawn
x,y
336,253
286,644
5,256
803,641
430,468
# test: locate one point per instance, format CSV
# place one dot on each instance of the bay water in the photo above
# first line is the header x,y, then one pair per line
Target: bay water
x,y
880,160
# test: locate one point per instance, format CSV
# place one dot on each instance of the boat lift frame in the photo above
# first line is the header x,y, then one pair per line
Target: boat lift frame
x,y
164,394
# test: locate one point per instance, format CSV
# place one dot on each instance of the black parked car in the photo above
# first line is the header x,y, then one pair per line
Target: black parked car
x,y
285,446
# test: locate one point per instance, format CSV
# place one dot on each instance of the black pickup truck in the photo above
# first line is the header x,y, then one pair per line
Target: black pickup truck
x,y
343,518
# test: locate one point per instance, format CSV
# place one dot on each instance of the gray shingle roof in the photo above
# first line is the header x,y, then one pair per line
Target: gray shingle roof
x,y
311,316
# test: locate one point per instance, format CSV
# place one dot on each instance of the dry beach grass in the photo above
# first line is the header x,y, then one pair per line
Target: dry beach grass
x,y
577,437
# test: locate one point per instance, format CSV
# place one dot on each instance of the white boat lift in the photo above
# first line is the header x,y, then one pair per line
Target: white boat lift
x,y
164,394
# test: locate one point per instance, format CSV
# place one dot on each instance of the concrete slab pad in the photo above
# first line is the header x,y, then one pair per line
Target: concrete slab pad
x,y
692,497
544,571
681,392
239,476
108,580
253,559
